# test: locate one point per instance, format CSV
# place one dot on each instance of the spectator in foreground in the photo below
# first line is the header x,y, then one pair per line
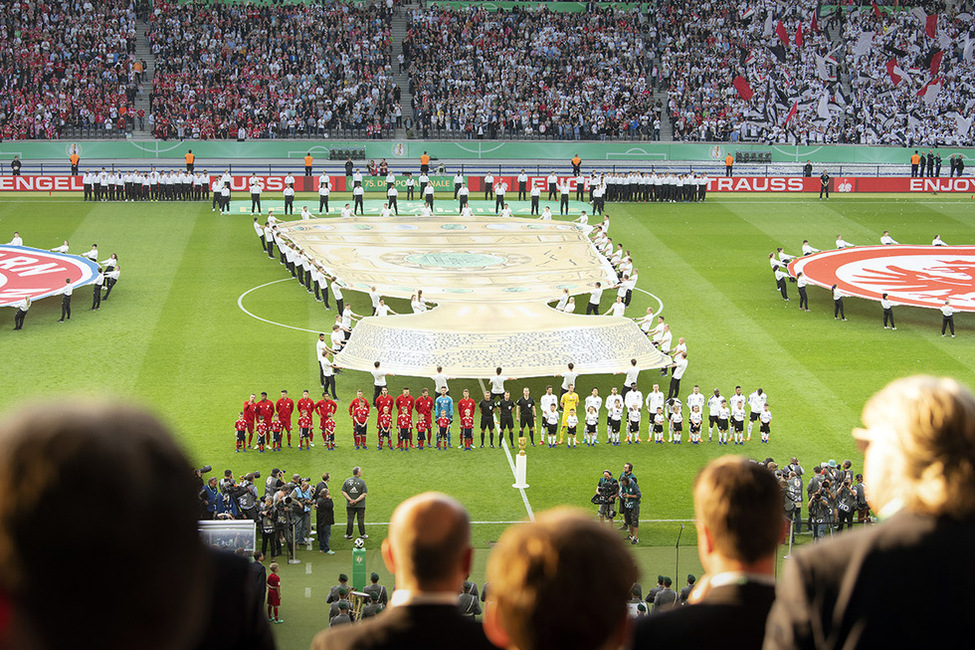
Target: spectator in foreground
x,y
540,572
429,552
138,483
919,466
739,520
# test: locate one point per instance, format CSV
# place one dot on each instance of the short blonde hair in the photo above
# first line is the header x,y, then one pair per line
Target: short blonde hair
x,y
540,572
927,427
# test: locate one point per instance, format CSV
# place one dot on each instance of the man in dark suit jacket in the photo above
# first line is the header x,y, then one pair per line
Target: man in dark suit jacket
x,y
919,437
429,552
738,508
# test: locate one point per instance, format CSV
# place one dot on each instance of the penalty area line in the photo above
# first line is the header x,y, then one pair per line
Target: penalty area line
x,y
511,464
240,303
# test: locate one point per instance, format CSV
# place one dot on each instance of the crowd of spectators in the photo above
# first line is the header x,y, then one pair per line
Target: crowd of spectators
x,y
261,71
68,64
822,83
885,112
529,73
866,75
701,51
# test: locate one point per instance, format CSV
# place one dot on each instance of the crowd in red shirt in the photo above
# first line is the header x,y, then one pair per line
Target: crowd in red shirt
x,y
247,71
67,64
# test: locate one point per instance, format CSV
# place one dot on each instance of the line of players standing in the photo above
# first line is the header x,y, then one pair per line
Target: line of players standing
x,y
272,421
174,185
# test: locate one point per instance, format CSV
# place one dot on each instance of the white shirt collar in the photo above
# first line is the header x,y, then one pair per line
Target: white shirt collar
x,y
402,597
740,578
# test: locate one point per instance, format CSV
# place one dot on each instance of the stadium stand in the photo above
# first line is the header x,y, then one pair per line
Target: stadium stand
x,y
900,106
718,70
67,68
261,71
529,73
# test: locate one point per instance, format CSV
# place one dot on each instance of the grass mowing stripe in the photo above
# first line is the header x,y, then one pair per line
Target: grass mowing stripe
x,y
511,464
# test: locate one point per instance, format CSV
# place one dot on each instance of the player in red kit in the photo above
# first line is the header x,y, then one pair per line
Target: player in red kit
x,y
265,409
306,404
276,428
250,414
424,409
467,426
443,431
385,424
261,435
466,404
285,407
384,401
241,426
404,422
359,412
405,402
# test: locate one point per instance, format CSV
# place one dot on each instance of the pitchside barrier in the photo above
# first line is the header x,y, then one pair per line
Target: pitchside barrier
x,y
445,184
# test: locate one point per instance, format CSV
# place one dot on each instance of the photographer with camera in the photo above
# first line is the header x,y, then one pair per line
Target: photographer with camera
x,y
605,497
273,483
846,504
793,495
209,496
270,535
820,510
303,495
289,512
229,491
247,499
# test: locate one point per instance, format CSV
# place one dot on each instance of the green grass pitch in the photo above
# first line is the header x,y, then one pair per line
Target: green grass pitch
x,y
173,337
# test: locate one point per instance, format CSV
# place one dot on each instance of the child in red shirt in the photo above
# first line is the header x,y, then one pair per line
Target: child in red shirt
x,y
261,435
277,426
421,431
273,593
241,426
405,425
328,433
443,431
385,425
467,429
305,425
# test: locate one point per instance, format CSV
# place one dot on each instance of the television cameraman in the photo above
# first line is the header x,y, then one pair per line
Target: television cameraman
x,y
606,491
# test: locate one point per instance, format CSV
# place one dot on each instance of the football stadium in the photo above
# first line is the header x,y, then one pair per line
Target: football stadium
x,y
523,254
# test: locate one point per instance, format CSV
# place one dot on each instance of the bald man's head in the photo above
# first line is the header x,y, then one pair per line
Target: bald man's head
x,y
429,543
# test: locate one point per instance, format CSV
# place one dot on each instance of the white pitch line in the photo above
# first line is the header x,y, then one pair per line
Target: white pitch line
x,y
511,464
655,297
240,303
